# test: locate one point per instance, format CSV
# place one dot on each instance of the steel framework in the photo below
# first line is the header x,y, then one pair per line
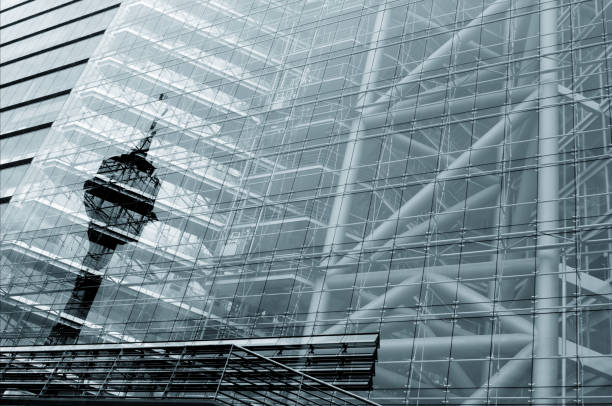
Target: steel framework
x,y
518,280
294,371
532,343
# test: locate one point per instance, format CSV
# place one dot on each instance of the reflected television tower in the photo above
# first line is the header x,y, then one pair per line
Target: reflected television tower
x,y
119,202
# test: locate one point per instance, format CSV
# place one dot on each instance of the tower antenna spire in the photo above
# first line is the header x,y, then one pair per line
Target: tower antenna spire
x,y
125,181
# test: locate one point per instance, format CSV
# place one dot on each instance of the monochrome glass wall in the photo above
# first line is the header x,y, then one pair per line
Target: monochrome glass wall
x,y
44,47
434,171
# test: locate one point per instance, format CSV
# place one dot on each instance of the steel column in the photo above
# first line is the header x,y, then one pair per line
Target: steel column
x,y
352,155
341,207
546,334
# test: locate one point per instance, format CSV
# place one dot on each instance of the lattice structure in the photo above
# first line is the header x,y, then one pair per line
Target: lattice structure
x,y
436,171
286,371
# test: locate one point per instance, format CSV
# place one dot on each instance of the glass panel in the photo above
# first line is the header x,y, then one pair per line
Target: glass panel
x,y
51,18
49,60
41,86
31,115
56,36
32,7
10,179
21,146
434,172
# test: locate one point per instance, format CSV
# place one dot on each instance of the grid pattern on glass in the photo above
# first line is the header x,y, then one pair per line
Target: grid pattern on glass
x,y
56,36
42,58
437,172
266,371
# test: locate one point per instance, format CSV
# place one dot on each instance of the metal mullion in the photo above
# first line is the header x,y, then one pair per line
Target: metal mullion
x,y
300,391
328,385
248,361
261,395
246,380
231,397
8,364
242,393
219,346
313,393
222,401
241,377
44,388
331,357
280,383
110,371
273,371
78,364
300,383
154,365
178,361
229,354
157,367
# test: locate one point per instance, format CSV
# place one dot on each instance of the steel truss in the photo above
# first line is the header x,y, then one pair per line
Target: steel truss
x,y
528,340
281,371
532,341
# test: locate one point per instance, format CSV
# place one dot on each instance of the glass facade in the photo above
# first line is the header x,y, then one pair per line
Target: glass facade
x,y
435,172
44,46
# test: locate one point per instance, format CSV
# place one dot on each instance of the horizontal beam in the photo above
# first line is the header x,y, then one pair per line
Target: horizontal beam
x,y
306,377
442,348
415,109
332,341
465,270
64,401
